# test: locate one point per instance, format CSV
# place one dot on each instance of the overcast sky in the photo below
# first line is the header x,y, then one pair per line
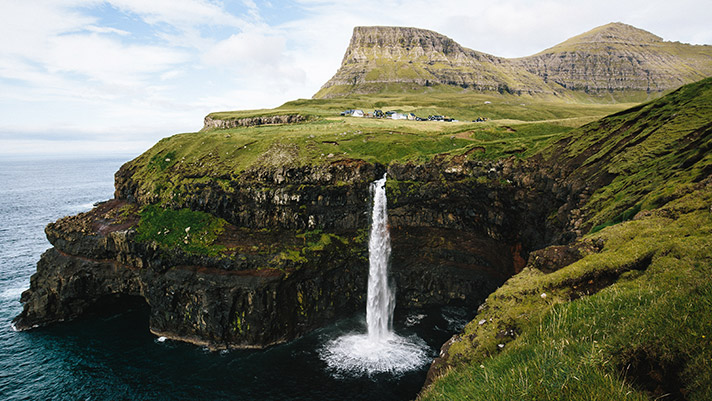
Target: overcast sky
x,y
97,77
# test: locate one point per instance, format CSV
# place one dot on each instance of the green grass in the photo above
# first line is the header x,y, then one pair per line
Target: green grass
x,y
190,231
462,106
652,310
650,154
574,350
518,126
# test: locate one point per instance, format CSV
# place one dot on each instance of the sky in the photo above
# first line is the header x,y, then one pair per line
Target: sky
x,y
90,77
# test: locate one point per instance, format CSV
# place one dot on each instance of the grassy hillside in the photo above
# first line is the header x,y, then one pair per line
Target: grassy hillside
x,y
642,157
514,128
629,320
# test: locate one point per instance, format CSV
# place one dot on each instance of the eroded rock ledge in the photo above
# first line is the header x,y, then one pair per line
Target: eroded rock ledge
x,y
215,123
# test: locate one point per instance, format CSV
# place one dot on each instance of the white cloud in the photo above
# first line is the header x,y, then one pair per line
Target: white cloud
x,y
107,60
246,49
104,29
253,10
138,70
179,13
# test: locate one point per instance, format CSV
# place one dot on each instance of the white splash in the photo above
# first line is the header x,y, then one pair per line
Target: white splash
x,y
380,350
358,355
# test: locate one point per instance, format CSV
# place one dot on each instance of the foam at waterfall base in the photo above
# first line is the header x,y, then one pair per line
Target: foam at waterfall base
x,y
359,355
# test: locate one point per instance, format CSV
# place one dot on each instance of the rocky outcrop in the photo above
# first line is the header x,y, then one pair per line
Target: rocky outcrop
x,y
615,58
328,197
211,122
459,229
215,302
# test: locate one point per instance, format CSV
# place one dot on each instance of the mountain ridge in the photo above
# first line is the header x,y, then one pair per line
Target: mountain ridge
x,y
614,59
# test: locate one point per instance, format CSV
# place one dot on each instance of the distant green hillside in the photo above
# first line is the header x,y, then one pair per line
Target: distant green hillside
x,y
617,58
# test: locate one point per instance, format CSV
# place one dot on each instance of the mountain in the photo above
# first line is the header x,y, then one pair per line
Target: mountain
x,y
383,58
620,57
615,58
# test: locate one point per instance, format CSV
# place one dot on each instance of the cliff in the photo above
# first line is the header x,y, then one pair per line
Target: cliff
x,y
380,58
215,123
616,60
281,251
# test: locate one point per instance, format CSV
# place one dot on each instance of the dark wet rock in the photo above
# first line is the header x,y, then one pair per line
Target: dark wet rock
x,y
553,258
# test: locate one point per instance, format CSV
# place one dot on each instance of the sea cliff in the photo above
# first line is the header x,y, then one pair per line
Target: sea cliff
x,y
290,252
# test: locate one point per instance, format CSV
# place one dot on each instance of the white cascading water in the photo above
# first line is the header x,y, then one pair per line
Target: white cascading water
x,y
380,297
380,350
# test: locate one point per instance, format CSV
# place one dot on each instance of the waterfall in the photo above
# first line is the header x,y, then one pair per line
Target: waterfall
x,y
379,350
380,297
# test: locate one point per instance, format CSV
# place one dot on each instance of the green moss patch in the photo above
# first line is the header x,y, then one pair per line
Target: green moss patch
x,y
190,231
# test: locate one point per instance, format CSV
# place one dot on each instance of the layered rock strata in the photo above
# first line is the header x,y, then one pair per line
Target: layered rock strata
x,y
460,228
618,58
613,59
413,58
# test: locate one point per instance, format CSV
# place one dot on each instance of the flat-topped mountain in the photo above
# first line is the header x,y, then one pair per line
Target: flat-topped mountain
x,y
382,59
616,58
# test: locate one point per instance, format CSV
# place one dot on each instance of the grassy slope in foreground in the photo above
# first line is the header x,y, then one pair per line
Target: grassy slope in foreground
x,y
648,331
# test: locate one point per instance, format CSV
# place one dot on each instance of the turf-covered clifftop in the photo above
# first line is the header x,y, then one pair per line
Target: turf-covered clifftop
x,y
621,313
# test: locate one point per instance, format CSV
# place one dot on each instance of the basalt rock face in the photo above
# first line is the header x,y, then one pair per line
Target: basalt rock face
x,y
459,229
330,197
616,59
191,298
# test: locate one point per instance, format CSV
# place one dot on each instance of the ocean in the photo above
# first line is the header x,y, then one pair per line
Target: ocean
x,y
113,356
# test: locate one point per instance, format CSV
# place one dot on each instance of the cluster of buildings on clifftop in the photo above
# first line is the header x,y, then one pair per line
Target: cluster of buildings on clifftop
x,y
394,115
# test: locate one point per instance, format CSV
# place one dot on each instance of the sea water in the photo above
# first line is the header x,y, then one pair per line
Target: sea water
x,y
114,356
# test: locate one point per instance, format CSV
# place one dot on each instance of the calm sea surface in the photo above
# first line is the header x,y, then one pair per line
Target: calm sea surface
x,y
114,357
